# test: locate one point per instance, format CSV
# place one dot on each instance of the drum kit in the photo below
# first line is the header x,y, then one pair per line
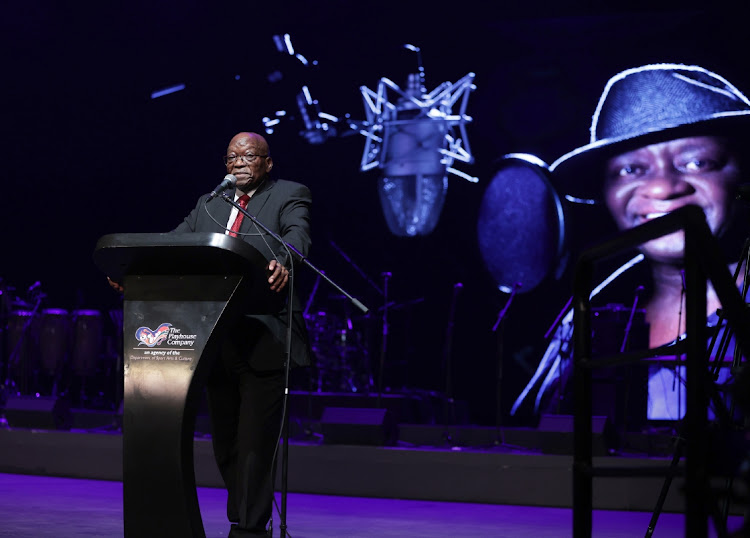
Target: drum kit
x,y
70,353
349,347
340,345
54,351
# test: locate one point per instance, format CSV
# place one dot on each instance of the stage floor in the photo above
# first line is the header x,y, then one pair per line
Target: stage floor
x,y
38,506
510,474
69,483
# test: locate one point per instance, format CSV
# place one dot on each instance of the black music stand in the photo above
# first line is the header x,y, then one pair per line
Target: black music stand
x,y
182,293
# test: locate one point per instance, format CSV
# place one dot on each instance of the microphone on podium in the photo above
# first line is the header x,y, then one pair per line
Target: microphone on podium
x,y
229,182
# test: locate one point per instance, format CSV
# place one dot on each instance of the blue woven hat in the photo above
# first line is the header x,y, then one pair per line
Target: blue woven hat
x,y
646,105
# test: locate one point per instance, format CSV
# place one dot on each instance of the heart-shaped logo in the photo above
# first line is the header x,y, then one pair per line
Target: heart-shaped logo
x,y
146,336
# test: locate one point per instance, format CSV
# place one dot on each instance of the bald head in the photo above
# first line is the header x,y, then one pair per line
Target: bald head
x,y
247,139
249,160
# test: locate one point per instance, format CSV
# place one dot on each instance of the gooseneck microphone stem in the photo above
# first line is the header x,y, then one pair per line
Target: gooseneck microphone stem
x,y
298,256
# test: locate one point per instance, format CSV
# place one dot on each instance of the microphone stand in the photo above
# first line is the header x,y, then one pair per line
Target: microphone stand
x,y
623,427
558,319
356,267
449,414
294,253
300,257
498,328
384,336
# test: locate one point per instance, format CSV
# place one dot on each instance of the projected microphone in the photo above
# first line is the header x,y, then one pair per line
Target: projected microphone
x,y
415,141
229,182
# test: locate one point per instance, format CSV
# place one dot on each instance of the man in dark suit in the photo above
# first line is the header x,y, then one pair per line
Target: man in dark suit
x,y
246,388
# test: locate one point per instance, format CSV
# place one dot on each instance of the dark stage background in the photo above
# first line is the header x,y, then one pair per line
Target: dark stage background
x,y
87,152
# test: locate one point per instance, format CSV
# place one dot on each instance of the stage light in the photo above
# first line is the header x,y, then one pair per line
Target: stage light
x,y
166,91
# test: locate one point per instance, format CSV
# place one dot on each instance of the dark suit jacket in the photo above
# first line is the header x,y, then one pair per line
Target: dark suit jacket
x,y
284,207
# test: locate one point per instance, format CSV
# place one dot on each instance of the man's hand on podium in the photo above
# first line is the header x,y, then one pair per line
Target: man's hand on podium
x,y
115,285
278,275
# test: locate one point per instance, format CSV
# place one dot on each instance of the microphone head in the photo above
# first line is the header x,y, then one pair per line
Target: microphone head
x,y
229,182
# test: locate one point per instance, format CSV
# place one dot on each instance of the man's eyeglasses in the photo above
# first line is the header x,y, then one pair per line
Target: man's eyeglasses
x,y
247,158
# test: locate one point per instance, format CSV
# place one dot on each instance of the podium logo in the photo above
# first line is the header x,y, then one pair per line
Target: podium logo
x,y
146,336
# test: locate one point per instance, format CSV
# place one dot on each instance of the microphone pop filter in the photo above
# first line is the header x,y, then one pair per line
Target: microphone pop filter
x,y
521,228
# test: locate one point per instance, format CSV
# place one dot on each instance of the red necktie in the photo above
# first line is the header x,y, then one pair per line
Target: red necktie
x,y
238,219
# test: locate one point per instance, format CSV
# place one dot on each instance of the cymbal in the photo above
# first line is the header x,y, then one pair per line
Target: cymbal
x,y
19,303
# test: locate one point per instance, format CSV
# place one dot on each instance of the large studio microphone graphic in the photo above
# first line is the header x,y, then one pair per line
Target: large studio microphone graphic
x,y
414,183
229,182
415,141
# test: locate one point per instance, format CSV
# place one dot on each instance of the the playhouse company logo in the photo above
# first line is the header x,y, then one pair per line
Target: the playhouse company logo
x,y
165,332
177,346
146,336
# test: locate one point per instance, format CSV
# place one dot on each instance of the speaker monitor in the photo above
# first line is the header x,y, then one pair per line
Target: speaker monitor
x,y
557,434
44,413
357,426
564,423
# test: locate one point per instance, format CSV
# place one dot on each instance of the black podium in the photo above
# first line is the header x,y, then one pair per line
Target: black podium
x,y
182,293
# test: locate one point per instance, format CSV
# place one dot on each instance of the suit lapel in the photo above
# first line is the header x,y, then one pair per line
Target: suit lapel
x,y
256,203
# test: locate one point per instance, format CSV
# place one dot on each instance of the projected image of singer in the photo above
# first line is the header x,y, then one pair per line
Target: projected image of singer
x,y
663,136
246,387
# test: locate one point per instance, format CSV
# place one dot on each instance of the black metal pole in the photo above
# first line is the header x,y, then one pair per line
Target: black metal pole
x,y
296,253
384,336
498,329
582,434
450,413
696,451
679,444
284,466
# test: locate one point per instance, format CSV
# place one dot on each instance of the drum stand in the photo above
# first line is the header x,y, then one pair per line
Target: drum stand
x,y
725,415
21,385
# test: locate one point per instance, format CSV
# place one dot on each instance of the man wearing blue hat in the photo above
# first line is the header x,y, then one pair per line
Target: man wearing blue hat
x,y
663,136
